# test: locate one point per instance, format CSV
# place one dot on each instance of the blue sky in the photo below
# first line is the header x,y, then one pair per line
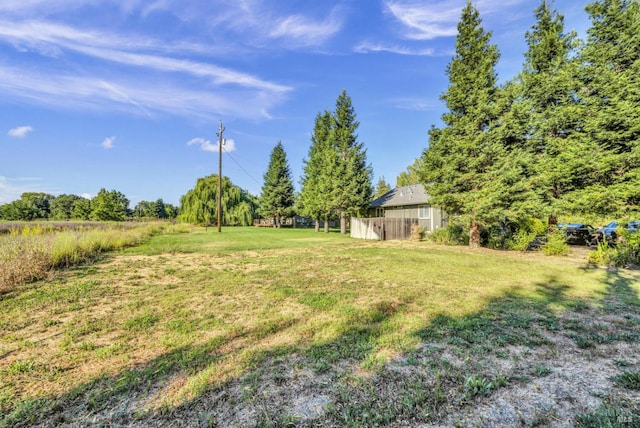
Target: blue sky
x,y
128,94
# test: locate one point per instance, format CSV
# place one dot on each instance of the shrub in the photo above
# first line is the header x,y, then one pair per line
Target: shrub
x,y
556,245
453,234
625,253
528,230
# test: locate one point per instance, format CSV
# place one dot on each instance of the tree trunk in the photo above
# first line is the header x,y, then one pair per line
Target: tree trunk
x,y
474,234
343,223
326,225
552,220
317,225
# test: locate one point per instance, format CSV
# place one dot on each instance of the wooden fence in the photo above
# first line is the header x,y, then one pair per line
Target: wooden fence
x,y
382,228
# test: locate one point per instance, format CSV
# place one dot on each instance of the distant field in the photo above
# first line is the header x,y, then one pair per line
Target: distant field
x,y
264,327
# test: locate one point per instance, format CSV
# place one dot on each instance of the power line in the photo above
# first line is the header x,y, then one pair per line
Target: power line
x,y
240,166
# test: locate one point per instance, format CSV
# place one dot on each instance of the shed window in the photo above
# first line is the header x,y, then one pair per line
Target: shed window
x,y
424,211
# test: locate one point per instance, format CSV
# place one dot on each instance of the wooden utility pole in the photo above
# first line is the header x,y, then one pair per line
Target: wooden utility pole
x,y
220,142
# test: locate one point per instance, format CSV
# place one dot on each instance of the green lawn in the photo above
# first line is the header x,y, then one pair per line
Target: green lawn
x,y
160,332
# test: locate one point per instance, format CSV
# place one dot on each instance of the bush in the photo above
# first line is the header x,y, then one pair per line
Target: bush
x,y
625,253
556,245
453,234
528,231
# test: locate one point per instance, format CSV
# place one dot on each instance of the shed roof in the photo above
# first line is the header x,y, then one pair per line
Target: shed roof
x,y
401,196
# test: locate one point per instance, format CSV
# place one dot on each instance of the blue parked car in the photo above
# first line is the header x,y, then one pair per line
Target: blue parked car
x,y
608,233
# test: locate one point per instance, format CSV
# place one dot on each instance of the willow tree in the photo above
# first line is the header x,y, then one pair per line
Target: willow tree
x,y
200,204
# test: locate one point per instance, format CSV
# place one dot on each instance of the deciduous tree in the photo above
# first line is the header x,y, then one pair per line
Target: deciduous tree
x,y
199,205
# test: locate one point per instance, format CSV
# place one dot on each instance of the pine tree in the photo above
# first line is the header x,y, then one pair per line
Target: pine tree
x,y
610,79
350,175
458,166
313,201
549,93
277,199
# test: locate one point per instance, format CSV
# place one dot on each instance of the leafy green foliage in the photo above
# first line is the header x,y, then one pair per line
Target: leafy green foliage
x,y
382,187
316,182
200,204
351,176
410,176
475,385
109,206
556,245
154,210
453,234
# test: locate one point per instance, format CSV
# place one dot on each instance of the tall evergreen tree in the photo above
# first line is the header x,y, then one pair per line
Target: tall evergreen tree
x,y
610,79
349,173
200,204
277,199
313,201
456,166
550,94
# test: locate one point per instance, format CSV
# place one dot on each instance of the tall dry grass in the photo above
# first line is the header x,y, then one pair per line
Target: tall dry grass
x,y
31,253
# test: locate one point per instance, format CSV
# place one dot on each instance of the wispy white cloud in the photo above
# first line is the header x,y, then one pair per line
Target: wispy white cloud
x,y
366,47
427,19
46,37
303,31
108,143
20,131
130,94
228,145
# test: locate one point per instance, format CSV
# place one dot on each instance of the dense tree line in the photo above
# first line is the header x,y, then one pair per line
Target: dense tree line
x,y
562,138
105,206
